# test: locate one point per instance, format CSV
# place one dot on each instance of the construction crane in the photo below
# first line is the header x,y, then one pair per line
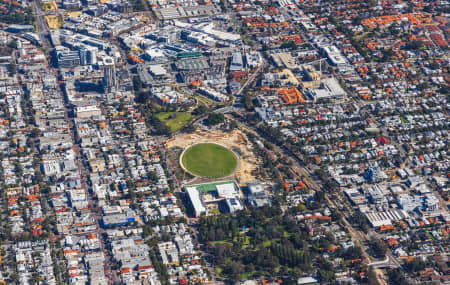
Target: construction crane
x,y
313,62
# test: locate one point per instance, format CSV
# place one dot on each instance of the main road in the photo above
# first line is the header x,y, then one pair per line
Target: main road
x,y
42,27
43,31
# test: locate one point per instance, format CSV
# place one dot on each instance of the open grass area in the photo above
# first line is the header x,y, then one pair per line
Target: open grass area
x,y
204,100
54,21
222,242
175,120
209,160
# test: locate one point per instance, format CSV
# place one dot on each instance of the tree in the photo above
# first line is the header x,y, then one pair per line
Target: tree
x,y
142,97
147,230
159,127
13,67
35,132
415,265
233,125
288,45
319,196
12,44
200,110
14,277
379,248
372,277
137,83
23,18
233,270
360,219
18,169
138,5
352,252
248,101
325,276
387,54
445,89
190,128
397,277
215,119
152,176
414,45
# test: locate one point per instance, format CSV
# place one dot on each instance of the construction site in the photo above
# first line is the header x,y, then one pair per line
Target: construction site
x,y
235,140
54,21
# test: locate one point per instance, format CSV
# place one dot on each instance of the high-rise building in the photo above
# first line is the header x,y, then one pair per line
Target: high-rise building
x,y
83,56
109,74
88,56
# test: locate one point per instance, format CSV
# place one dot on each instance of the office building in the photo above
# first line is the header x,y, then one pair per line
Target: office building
x,y
68,58
109,77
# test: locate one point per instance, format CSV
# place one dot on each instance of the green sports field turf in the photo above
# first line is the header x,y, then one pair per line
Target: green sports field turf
x,y
209,160
210,187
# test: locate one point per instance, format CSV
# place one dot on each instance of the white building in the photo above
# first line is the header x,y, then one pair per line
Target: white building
x,y
213,94
87,111
377,219
196,201
408,203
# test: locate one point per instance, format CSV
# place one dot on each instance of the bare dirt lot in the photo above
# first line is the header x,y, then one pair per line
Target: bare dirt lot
x,y
235,140
54,21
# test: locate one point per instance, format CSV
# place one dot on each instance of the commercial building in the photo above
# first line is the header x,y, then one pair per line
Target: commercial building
x,y
20,28
254,59
71,4
116,216
195,201
408,202
87,111
329,89
311,78
234,205
257,195
213,94
109,74
88,56
194,69
187,11
431,202
83,56
237,63
377,219
68,58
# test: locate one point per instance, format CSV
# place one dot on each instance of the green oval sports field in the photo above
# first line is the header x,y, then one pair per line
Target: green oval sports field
x,y
209,160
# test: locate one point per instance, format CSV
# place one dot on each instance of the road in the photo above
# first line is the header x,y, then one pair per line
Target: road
x,y
170,173
92,205
83,174
42,27
251,78
43,32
